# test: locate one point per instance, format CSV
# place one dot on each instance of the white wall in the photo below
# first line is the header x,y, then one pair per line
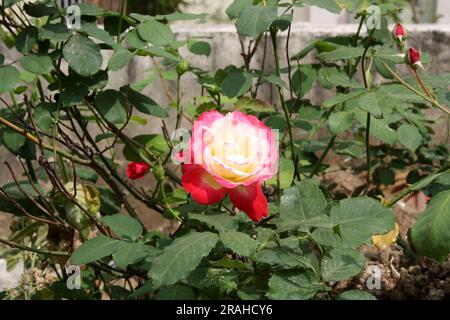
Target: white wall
x,y
216,10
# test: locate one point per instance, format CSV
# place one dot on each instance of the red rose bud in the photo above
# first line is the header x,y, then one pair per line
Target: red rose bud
x,y
399,32
413,57
136,170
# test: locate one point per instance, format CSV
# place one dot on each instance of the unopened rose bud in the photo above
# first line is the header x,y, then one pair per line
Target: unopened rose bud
x,y
136,170
413,58
399,32
182,67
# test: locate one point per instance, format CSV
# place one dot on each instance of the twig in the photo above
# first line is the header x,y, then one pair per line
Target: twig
x,y
403,82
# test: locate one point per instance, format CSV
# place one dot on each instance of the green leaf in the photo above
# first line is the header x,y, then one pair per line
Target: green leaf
x,y
429,179
15,192
143,103
124,226
111,105
248,104
55,31
342,97
284,257
128,253
409,136
92,30
88,9
133,40
378,128
220,222
342,265
236,83
43,117
239,242
156,33
38,9
26,39
293,285
302,53
287,171
329,5
254,20
369,102
9,76
119,59
303,82
355,295
181,257
340,121
430,234
12,140
199,47
83,55
360,218
37,64
154,143
160,52
177,292
326,236
276,80
94,249
236,7
74,94
302,201
332,77
341,53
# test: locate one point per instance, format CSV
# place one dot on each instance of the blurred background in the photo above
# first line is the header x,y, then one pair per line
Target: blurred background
x,y
416,11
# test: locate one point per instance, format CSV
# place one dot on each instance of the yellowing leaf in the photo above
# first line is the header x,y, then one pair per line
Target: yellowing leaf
x,y
383,241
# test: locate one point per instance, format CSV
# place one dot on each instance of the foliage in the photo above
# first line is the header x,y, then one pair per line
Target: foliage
x,y
67,128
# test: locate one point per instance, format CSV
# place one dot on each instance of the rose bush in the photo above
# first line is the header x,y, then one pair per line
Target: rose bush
x,y
246,213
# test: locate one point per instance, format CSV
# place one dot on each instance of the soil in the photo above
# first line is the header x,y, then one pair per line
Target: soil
x,y
403,276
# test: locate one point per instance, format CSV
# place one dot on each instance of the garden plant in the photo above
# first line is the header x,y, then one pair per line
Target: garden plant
x,y
239,178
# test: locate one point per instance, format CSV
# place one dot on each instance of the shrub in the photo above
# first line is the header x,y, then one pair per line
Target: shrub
x,y
238,233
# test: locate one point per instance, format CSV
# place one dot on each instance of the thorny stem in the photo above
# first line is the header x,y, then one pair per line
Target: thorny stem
x,y
273,34
368,119
413,188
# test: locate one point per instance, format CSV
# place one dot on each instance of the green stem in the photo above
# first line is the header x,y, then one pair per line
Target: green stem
x,y
322,157
178,103
123,8
273,34
413,188
424,96
35,250
369,166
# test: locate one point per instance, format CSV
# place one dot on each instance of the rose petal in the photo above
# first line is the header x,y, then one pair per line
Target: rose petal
x,y
136,170
201,185
251,200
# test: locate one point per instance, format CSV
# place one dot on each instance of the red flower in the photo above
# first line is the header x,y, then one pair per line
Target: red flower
x,y
399,32
413,57
136,170
231,154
